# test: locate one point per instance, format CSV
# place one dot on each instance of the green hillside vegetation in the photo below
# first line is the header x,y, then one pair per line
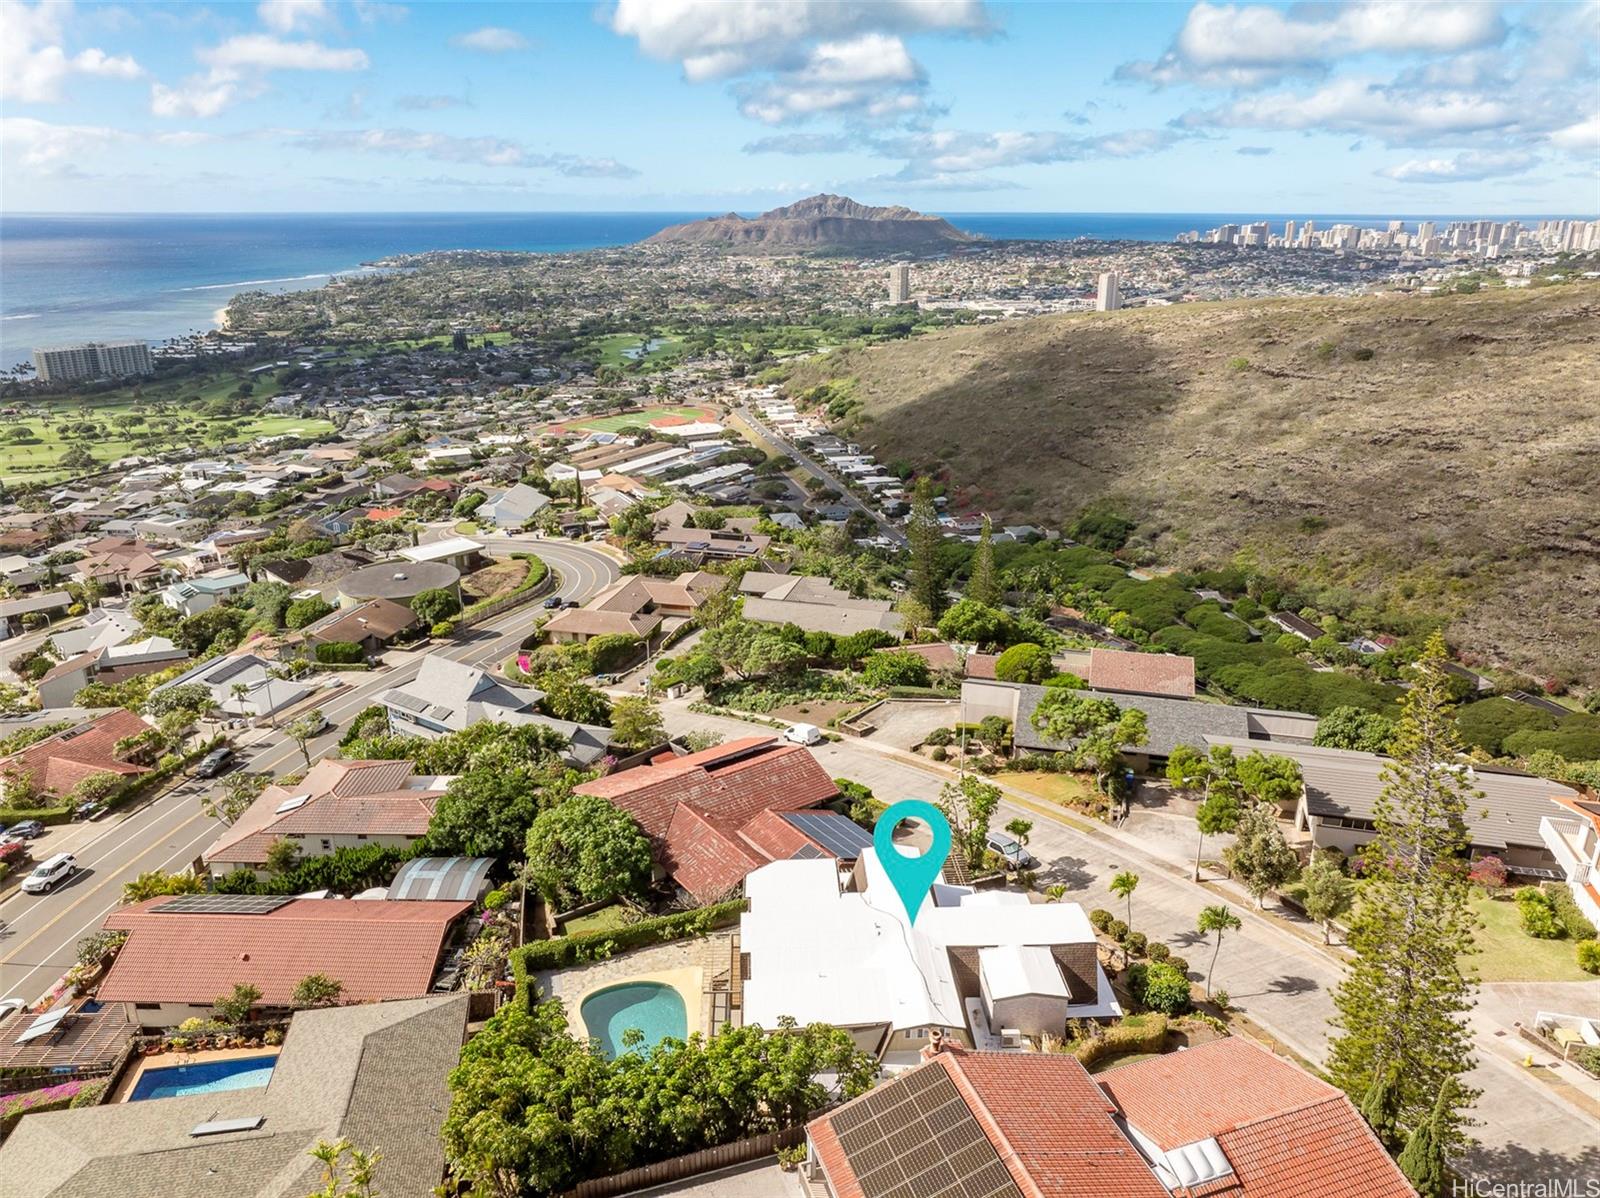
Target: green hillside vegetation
x,y
1394,460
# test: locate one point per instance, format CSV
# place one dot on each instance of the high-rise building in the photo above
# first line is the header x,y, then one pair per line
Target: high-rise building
x,y
1109,296
1308,233
900,283
1425,230
93,360
1288,232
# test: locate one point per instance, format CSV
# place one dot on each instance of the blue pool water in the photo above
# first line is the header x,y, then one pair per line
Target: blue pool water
x,y
174,1081
655,1009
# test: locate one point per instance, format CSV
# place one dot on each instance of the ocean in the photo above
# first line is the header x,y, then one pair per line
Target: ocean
x,y
67,279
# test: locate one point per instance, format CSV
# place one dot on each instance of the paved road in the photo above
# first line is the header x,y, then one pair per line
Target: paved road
x,y
40,934
1282,982
752,426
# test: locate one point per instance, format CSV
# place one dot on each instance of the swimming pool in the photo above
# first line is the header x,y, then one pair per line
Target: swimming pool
x,y
208,1077
655,1008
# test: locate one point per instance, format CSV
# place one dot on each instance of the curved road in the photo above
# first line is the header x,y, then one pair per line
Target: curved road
x,y
39,933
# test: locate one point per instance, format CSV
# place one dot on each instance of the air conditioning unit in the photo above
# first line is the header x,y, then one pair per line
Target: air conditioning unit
x,y
1010,1037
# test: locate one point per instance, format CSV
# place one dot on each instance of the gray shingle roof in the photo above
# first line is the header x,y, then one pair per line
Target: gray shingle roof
x,y
374,1073
1169,722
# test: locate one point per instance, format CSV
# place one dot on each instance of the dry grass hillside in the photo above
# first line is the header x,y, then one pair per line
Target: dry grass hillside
x,y
1434,454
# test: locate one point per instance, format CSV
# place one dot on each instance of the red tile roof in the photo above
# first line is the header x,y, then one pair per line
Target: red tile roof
x,y
1066,1146
1057,1131
378,949
1141,673
694,807
61,762
1284,1131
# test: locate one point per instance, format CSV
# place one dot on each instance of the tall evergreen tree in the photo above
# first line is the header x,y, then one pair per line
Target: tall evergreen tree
x,y
1401,1007
925,536
983,585
1423,1160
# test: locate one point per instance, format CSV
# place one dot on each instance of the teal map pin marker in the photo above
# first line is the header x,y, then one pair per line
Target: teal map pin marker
x,y
911,876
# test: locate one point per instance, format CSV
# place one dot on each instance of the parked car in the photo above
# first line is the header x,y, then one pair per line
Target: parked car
x,y
1015,856
50,873
214,762
803,734
320,724
553,602
89,810
25,829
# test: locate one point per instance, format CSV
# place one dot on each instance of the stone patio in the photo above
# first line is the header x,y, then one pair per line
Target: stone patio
x,y
704,970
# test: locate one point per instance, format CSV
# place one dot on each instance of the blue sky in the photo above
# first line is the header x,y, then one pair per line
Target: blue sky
x,y
950,105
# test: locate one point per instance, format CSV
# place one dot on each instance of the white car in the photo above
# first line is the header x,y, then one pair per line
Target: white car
x,y
804,734
48,874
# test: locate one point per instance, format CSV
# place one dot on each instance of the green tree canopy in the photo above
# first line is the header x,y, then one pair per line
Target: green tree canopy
x,y
1355,728
586,850
1025,662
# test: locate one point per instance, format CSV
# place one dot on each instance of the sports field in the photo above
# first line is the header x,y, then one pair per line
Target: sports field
x,y
661,418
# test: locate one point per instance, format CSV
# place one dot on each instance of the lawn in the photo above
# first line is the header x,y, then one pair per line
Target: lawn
x,y
612,349
610,424
150,417
1066,790
607,919
1508,954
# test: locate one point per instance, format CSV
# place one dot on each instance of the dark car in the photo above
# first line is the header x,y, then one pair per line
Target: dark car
x,y
25,830
554,601
214,762
89,810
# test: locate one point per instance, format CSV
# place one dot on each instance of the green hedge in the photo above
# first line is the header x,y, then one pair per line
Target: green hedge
x,y
569,950
1135,1033
340,653
538,571
45,815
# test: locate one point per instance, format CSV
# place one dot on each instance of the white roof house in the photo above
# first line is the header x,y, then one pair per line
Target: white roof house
x,y
822,951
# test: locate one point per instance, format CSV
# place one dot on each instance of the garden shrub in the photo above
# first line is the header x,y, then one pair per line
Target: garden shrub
x,y
1136,943
895,668
1100,919
608,653
940,753
1539,914
1570,915
1589,956
340,653
1181,964
1158,951
939,736
1026,662
567,950
1160,987
1133,1034
1118,930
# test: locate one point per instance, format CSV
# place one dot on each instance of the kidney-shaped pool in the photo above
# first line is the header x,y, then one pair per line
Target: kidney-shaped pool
x,y
655,1008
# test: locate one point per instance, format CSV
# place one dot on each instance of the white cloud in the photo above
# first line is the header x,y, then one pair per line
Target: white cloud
x,y
1366,106
442,147
260,51
239,66
799,59
196,97
716,40
1581,137
1467,167
491,39
33,64
41,144
292,16
1252,45
951,152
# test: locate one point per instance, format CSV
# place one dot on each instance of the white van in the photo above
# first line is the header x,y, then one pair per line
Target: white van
x,y
48,873
804,734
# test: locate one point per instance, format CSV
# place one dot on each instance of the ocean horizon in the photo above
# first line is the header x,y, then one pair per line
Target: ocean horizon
x,y
68,278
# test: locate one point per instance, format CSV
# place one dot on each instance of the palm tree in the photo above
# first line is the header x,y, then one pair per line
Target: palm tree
x,y
1123,886
1219,919
1055,893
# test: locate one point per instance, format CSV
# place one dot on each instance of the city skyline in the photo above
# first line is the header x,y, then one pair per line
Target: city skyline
x,y
954,105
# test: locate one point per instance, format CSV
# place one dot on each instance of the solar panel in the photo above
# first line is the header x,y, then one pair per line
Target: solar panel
x,y
807,852
838,834
227,670
915,1137
409,702
292,804
44,1025
222,904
